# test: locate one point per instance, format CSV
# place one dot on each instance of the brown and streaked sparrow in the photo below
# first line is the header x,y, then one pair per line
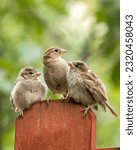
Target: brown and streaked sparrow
x,y
27,90
55,70
86,88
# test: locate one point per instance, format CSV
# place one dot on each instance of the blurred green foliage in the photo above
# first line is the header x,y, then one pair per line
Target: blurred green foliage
x,y
89,29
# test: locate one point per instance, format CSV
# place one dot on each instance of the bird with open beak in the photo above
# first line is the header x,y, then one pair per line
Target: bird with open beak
x,y
86,88
27,90
55,70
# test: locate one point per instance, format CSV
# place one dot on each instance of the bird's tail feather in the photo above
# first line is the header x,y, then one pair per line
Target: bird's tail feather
x,y
111,109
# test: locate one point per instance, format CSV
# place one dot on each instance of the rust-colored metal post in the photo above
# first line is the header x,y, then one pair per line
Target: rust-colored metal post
x,y
57,126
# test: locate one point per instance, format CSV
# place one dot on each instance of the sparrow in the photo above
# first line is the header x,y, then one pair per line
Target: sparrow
x,y
85,87
27,90
55,70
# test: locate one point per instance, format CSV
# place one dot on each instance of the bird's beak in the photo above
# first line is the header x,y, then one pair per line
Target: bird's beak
x,y
37,74
71,65
63,51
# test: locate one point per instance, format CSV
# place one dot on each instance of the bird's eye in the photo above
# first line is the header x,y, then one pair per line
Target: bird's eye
x,y
56,50
30,72
77,66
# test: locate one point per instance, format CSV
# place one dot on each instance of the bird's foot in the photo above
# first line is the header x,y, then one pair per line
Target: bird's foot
x,y
86,109
41,100
65,95
65,99
20,113
16,110
47,100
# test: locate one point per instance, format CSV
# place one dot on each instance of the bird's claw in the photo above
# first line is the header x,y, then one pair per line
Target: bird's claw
x,y
86,109
21,113
65,99
16,110
48,100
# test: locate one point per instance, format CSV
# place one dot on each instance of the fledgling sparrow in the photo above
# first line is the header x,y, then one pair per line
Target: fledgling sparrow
x,y
27,90
55,70
86,88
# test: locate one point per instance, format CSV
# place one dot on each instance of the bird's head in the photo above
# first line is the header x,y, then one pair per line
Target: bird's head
x,y
79,66
53,53
29,73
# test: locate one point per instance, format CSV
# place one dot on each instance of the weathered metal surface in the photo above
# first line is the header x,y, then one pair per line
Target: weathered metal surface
x,y
57,126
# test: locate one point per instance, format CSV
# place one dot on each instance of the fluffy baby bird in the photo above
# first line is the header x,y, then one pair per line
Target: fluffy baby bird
x,y
28,89
55,70
86,88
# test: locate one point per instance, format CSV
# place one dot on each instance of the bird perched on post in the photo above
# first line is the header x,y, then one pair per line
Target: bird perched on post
x,y
55,70
86,88
28,89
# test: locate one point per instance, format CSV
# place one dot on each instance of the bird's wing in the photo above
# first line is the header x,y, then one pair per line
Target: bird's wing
x,y
11,96
95,90
95,86
12,104
97,82
99,96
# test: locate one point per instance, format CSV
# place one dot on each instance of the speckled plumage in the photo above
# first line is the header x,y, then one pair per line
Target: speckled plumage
x,y
86,88
27,90
55,70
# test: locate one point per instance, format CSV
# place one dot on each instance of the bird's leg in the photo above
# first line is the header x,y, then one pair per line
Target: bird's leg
x,y
16,109
21,113
19,110
42,99
86,109
49,98
65,97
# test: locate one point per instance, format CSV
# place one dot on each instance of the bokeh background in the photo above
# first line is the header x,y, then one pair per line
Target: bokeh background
x,y
89,29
